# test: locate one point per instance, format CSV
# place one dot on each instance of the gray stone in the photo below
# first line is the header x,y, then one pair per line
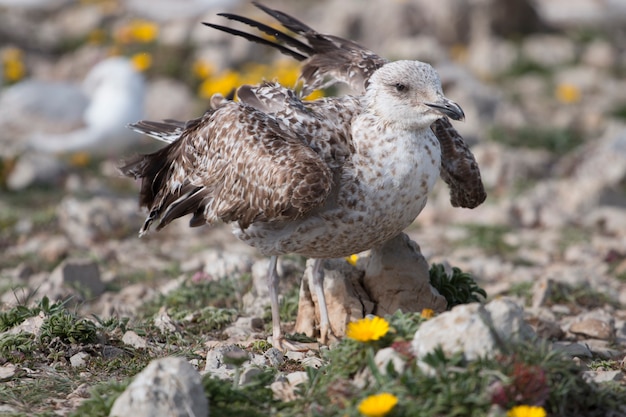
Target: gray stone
x,y
397,278
31,325
82,275
600,377
164,322
8,371
572,349
476,330
249,374
80,359
602,348
221,357
167,387
275,357
593,328
133,339
97,219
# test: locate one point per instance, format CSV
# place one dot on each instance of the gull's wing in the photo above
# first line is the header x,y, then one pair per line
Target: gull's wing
x,y
236,164
458,167
329,59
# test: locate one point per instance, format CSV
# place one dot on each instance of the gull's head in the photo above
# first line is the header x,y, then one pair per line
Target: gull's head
x,y
409,94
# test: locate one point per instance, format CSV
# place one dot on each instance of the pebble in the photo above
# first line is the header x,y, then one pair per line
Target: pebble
x,y
133,339
80,359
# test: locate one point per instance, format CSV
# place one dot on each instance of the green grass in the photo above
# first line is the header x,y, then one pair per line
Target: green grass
x,y
488,238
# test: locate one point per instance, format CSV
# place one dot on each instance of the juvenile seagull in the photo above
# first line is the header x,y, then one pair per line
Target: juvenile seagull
x,y
324,178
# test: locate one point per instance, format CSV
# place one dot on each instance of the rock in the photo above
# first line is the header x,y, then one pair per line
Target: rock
x,y
549,50
31,325
275,357
219,360
245,328
469,328
164,322
7,371
133,339
397,278
82,275
385,357
542,290
345,298
167,387
98,219
600,377
572,349
79,360
593,328
249,374
602,348
219,264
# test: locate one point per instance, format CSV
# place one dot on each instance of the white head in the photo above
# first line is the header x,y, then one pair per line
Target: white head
x,y
408,94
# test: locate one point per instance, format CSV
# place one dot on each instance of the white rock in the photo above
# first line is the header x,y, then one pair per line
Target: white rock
x,y
79,360
389,355
31,325
600,377
167,387
469,328
133,339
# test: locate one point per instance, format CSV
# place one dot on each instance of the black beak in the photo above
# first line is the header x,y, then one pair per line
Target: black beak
x,y
448,108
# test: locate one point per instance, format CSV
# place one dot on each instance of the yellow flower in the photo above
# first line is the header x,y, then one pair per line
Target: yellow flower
x,y
352,259
144,31
377,405
137,30
223,83
13,68
80,159
202,69
567,93
427,313
367,329
526,411
141,61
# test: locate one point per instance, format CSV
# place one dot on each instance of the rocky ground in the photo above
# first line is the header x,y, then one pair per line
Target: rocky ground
x,y
545,101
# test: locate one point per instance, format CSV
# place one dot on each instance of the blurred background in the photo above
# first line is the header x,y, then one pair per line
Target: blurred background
x,y
542,83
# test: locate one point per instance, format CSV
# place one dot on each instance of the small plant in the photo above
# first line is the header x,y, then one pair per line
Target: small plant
x,y
458,288
68,328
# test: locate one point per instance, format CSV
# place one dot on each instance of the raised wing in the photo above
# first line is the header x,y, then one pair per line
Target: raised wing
x,y
326,59
329,59
234,165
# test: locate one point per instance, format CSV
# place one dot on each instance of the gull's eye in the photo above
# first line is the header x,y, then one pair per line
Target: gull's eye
x,y
400,87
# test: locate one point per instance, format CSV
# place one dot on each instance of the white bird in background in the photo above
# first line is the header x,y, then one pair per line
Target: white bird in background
x,y
59,118
116,93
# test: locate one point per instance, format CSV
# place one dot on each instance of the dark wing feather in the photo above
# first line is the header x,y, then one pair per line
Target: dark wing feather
x,y
327,59
236,165
458,167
